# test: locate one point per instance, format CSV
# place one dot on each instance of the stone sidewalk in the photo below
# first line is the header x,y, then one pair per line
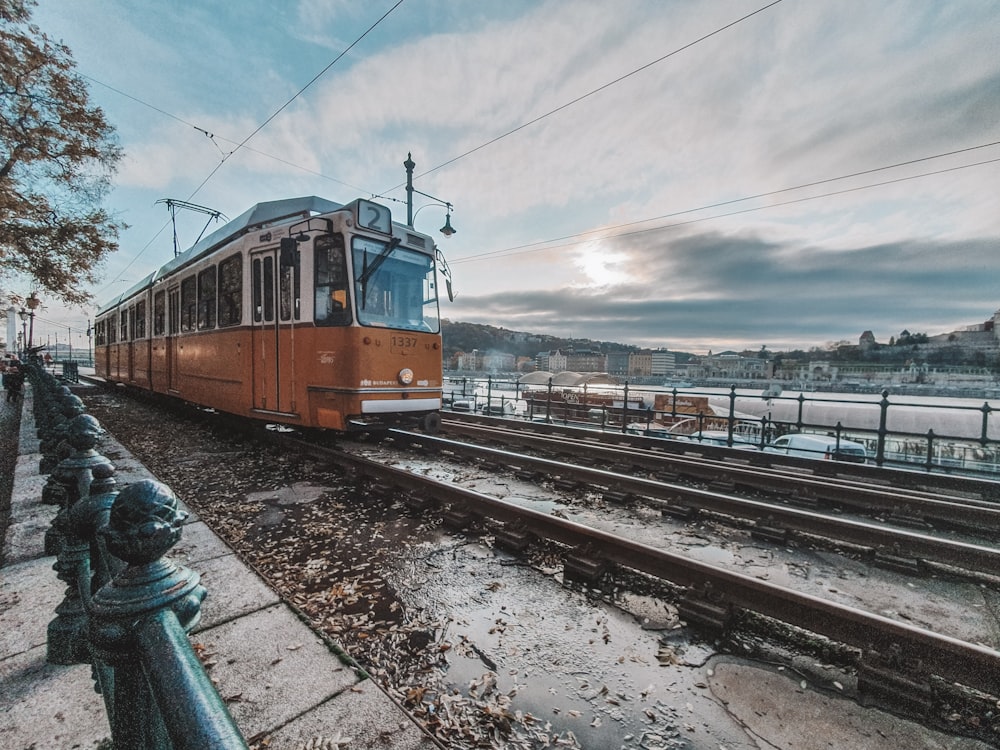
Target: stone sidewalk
x,y
285,686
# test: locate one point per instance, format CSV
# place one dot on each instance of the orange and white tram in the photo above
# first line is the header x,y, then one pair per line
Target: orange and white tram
x,y
301,311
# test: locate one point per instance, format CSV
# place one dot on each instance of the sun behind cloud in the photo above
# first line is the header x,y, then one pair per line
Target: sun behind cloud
x,y
601,266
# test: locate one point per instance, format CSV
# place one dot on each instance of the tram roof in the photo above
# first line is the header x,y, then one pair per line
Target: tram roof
x,y
256,217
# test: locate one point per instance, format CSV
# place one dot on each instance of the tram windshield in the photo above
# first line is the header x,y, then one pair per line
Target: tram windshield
x,y
394,286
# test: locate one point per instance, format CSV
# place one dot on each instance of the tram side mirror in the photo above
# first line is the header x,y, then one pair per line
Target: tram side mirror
x,y
289,255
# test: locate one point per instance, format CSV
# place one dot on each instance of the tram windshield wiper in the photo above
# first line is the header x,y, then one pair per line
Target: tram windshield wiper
x,y
368,269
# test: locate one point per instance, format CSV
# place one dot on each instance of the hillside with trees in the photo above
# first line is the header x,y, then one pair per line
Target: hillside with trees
x,y
905,349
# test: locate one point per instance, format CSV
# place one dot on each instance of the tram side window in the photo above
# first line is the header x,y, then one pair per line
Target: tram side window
x,y
189,304
290,291
331,284
112,328
263,289
139,320
231,291
124,326
206,298
159,313
99,337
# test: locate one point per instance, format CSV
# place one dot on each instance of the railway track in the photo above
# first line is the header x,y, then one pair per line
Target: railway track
x,y
704,461
778,522
898,662
964,509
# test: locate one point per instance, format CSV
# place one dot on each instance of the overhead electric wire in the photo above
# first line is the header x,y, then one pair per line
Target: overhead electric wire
x,y
608,232
213,136
296,96
579,99
260,127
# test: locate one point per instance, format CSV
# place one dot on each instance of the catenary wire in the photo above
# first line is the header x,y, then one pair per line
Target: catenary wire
x,y
295,96
600,88
260,127
213,136
533,247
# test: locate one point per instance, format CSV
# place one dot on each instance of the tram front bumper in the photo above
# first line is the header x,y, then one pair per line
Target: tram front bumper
x,y
397,405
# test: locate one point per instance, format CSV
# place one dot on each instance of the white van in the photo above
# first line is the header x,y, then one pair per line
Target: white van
x,y
819,446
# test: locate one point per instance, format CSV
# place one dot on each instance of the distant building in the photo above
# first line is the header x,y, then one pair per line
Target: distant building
x,y
640,364
663,362
551,361
616,363
497,362
867,340
585,361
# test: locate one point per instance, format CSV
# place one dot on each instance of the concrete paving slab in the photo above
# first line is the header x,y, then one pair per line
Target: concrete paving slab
x,y
26,590
26,535
233,591
47,706
359,718
198,543
779,710
272,668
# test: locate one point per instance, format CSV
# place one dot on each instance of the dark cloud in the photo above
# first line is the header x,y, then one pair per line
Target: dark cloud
x,y
711,288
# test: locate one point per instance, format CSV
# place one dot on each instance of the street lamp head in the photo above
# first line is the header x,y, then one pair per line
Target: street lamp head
x,y
22,314
448,230
33,301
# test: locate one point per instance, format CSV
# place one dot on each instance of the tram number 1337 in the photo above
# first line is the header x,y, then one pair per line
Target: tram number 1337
x,y
402,342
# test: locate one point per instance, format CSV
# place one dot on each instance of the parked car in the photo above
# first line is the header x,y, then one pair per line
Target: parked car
x,y
717,437
505,409
820,447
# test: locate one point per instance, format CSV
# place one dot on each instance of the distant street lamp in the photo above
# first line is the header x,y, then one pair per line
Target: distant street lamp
x,y
23,315
32,302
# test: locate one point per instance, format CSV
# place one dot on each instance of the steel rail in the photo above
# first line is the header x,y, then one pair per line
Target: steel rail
x,y
889,540
975,515
968,664
937,482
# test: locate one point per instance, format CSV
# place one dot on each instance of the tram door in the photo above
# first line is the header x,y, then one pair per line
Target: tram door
x,y
173,327
275,304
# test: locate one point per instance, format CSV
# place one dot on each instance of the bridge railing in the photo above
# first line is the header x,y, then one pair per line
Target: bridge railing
x,y
959,436
127,607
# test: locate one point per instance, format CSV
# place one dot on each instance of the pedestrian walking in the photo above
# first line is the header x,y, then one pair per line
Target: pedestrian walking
x,y
13,382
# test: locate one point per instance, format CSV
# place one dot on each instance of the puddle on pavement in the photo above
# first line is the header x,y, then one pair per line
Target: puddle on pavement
x,y
577,666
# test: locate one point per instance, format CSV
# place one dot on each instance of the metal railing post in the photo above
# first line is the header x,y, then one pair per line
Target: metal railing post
x,y
162,698
732,414
625,410
984,434
883,419
66,642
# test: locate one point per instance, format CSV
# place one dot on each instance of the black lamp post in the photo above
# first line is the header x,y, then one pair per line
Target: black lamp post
x,y
447,230
23,315
29,315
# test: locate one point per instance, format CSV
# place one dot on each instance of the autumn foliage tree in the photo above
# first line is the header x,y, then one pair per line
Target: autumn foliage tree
x,y
57,156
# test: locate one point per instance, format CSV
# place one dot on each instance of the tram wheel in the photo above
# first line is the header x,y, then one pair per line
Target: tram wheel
x,y
431,423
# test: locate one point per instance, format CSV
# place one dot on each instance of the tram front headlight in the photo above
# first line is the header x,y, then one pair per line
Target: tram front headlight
x,y
405,376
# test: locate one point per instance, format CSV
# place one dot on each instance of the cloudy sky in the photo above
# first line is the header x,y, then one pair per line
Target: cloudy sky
x,y
699,174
